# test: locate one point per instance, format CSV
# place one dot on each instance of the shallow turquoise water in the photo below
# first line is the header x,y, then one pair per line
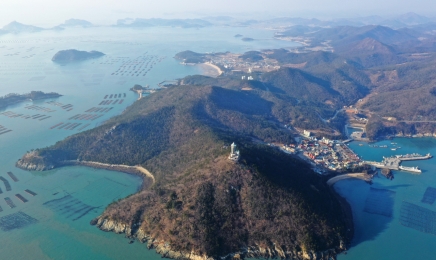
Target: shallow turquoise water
x,y
381,237
68,198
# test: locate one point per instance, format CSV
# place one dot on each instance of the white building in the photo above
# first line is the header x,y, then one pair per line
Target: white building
x,y
234,153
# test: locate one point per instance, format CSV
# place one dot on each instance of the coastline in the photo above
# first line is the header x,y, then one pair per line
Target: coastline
x,y
348,213
251,251
135,170
209,69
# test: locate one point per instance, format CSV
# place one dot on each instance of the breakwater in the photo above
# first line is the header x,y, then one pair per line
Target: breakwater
x,y
394,162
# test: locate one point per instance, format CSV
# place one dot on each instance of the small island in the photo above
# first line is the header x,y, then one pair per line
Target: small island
x,y
72,55
238,35
13,98
247,39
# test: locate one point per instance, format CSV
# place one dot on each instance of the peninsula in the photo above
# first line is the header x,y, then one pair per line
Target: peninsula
x,y
13,98
72,55
202,204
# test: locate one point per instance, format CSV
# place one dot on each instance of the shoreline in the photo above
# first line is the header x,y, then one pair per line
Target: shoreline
x,y
209,69
348,213
135,170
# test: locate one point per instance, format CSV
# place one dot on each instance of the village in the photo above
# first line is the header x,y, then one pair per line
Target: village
x,y
324,154
232,62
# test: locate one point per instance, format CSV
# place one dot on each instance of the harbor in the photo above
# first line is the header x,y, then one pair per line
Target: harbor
x,y
394,162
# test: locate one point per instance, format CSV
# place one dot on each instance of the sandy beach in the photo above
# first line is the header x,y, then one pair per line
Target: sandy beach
x,y
210,69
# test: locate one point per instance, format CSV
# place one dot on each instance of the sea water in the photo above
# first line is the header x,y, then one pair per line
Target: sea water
x,y
383,236
54,224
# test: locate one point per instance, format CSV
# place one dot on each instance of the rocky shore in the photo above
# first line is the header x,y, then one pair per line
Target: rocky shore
x,y
254,251
33,166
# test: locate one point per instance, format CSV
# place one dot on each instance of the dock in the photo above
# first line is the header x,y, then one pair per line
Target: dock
x,y
394,162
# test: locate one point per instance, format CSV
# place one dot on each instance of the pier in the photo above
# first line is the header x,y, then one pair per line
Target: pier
x,y
394,162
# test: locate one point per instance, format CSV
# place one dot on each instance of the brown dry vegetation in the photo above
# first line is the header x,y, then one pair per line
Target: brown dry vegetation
x,y
201,201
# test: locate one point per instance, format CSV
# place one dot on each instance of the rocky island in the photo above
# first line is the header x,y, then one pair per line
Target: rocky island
x,y
200,203
72,55
13,98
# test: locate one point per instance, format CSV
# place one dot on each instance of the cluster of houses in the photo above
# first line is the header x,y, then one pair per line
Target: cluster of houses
x,y
232,62
326,154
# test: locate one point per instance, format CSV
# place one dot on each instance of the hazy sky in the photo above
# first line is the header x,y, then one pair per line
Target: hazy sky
x,y
52,12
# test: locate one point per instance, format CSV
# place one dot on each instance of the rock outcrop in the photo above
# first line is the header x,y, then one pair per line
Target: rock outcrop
x,y
29,166
254,251
31,161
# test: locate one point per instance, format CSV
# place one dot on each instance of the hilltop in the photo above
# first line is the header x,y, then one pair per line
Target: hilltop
x,y
201,202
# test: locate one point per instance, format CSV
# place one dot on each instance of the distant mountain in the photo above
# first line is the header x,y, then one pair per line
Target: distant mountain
x,y
369,20
16,27
76,22
345,35
370,52
424,29
296,21
299,30
184,23
223,20
75,55
404,20
413,18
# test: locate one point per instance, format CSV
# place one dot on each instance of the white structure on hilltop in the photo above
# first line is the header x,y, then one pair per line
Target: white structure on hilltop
x,y
234,153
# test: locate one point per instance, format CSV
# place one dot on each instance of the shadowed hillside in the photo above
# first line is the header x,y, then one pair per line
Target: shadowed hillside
x,y
202,201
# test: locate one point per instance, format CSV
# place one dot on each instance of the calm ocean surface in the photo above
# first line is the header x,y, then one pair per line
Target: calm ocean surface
x,y
54,224
380,234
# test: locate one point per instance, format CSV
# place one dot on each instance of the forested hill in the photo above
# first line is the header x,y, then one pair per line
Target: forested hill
x,y
201,201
